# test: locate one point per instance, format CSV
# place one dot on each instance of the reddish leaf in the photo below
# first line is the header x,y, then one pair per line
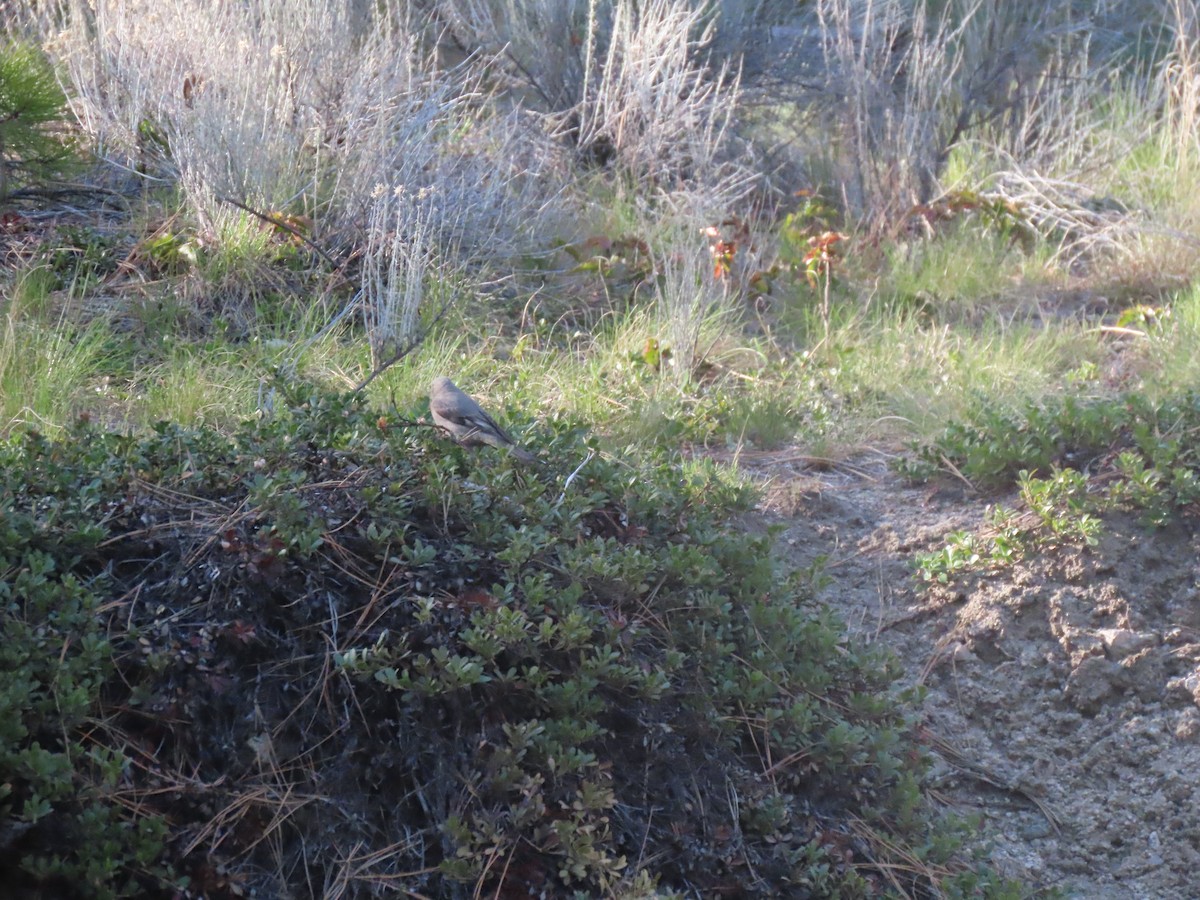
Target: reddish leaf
x,y
241,632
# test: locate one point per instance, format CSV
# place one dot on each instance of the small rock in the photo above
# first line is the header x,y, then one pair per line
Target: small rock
x,y
956,653
1187,726
1094,679
1039,828
1122,642
964,654
1176,635
1079,643
1185,687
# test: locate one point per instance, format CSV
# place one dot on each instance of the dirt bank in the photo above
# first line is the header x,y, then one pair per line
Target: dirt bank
x,y
1063,701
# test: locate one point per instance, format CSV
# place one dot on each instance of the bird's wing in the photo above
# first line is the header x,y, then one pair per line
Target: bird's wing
x,y
454,407
483,420
464,412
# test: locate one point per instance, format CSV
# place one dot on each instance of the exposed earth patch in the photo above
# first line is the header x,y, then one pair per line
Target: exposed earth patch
x,y
1063,692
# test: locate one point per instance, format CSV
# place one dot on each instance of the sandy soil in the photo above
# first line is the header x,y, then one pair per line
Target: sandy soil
x,y
1063,701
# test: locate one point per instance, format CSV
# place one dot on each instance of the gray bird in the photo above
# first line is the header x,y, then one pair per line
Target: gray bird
x,y
467,423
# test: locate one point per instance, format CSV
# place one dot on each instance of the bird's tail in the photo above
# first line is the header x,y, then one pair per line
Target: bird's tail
x,y
521,454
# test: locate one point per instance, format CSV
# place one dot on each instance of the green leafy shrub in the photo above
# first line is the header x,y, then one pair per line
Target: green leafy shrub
x,y
1146,450
993,445
59,822
1117,453
1060,511
367,658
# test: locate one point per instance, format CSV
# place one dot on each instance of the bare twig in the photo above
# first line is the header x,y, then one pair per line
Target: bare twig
x,y
408,348
571,477
286,226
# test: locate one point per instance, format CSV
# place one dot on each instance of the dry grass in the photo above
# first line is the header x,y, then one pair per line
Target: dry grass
x,y
301,107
